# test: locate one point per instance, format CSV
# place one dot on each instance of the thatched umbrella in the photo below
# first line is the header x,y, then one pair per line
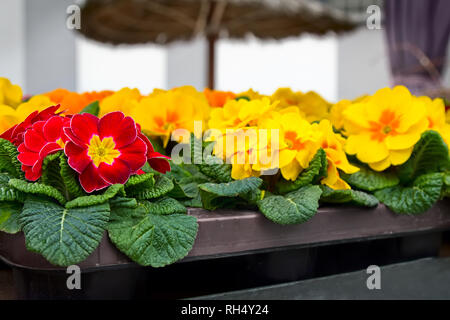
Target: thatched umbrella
x,y
164,21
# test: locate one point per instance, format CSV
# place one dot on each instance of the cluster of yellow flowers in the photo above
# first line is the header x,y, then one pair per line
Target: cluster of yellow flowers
x,y
380,130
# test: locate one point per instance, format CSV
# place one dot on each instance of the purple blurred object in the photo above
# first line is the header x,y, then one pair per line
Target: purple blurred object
x,y
417,33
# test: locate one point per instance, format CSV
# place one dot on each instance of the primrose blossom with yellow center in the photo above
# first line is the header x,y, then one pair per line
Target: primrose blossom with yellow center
x,y
163,112
240,113
436,117
383,129
298,142
102,150
333,145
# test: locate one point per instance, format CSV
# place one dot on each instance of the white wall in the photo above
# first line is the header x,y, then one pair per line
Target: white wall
x,y
305,63
50,46
102,66
186,64
12,40
363,63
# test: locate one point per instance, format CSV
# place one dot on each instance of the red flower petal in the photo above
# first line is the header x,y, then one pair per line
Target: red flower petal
x,y
91,180
53,128
49,148
84,126
134,154
159,164
122,129
29,174
78,158
28,158
7,135
33,139
70,136
145,139
117,172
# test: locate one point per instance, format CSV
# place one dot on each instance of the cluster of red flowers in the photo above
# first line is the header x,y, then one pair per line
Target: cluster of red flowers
x,y
102,151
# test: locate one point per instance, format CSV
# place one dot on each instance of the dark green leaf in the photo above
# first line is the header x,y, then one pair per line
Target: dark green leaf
x,y
8,193
63,236
93,108
87,201
232,189
37,189
369,180
430,154
150,238
354,197
295,207
9,216
8,159
414,199
317,170
161,187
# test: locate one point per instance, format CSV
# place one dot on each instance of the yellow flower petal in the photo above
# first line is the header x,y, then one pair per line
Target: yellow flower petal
x,y
381,165
291,171
398,157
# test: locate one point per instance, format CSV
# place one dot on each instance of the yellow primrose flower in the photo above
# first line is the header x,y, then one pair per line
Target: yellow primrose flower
x,y
123,100
286,97
251,94
298,142
436,117
163,112
333,145
239,113
245,153
314,106
337,111
10,95
10,116
383,129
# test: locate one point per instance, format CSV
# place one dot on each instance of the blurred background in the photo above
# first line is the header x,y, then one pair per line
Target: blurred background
x,y
338,48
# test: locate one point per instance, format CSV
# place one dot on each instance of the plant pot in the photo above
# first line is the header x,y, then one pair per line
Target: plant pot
x,y
236,250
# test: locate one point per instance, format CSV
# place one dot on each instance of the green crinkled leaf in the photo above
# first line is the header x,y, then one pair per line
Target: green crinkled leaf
x,y
139,183
186,178
92,108
152,239
122,202
217,172
295,207
182,191
193,203
354,197
317,169
58,174
8,159
139,179
63,236
227,195
232,189
8,193
165,205
37,189
9,216
87,201
370,180
430,154
70,179
161,187
414,199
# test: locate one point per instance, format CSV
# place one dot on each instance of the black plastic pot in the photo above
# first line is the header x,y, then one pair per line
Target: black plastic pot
x,y
239,250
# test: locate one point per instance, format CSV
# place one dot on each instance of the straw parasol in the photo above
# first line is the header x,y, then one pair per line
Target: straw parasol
x,y
165,21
